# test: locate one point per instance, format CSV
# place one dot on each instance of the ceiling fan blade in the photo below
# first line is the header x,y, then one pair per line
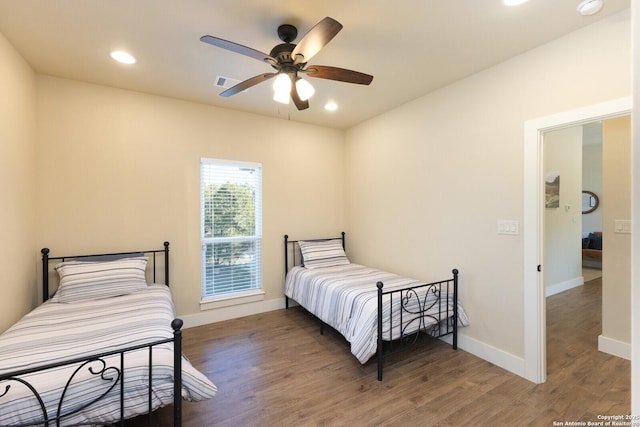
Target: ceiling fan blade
x,y
340,74
315,39
247,84
238,48
300,104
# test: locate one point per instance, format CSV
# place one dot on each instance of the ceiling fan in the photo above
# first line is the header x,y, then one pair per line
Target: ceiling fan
x,y
289,60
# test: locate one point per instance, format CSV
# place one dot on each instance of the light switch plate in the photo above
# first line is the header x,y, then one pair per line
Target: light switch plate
x,y
622,226
508,227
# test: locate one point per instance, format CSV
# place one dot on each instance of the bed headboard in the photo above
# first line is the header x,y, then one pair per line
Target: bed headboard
x,y
292,249
47,260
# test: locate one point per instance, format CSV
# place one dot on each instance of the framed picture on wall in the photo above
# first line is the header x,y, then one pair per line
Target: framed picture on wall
x,y
552,189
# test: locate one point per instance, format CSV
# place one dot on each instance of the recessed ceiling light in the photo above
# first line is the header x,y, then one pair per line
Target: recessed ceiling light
x,y
590,7
123,57
331,106
513,2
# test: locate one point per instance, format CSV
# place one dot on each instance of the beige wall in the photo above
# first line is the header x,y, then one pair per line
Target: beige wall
x,y
17,185
616,205
120,170
427,182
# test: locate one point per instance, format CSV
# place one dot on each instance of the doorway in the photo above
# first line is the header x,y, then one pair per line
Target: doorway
x,y
534,291
573,168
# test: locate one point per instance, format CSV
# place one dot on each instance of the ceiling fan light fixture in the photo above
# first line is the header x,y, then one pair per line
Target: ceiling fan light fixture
x,y
279,97
590,7
305,90
282,88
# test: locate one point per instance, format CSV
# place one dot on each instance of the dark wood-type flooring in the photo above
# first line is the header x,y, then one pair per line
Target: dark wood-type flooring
x,y
275,369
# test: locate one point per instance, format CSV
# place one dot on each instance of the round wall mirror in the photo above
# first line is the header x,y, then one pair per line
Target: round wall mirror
x,y
590,202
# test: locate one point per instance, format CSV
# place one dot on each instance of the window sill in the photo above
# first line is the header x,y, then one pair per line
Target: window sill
x,y
211,303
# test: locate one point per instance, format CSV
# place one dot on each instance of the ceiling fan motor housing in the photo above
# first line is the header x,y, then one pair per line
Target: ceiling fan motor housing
x,y
282,53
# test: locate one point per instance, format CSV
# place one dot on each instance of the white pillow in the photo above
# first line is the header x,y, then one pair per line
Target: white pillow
x,y
96,280
322,253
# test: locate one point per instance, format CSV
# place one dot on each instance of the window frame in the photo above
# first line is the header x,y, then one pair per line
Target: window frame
x,y
256,292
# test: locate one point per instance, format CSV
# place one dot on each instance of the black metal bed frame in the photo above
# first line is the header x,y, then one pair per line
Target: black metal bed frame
x,y
446,320
97,365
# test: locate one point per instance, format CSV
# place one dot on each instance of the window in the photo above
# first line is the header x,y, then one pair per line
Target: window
x,y
231,223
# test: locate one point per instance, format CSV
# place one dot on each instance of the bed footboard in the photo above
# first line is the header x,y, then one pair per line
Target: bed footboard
x,y
177,373
431,308
111,373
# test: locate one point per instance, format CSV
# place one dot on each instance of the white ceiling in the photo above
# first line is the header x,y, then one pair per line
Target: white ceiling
x,y
411,47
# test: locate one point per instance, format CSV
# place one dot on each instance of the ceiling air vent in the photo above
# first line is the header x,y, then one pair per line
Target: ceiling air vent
x,y
225,82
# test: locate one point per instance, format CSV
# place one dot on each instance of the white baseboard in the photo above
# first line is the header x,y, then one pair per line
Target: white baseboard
x,y
501,358
564,286
614,347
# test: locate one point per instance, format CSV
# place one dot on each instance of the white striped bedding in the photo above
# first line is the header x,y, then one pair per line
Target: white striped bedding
x,y
57,331
346,298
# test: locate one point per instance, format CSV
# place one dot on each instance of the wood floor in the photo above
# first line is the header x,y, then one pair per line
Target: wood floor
x,y
591,273
275,369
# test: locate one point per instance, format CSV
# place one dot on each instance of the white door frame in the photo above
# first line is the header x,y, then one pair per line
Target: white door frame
x,y
535,351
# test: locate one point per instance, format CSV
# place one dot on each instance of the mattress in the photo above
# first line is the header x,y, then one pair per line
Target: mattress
x,y
55,332
346,298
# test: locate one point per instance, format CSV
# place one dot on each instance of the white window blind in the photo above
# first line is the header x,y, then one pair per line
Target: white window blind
x,y
231,218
